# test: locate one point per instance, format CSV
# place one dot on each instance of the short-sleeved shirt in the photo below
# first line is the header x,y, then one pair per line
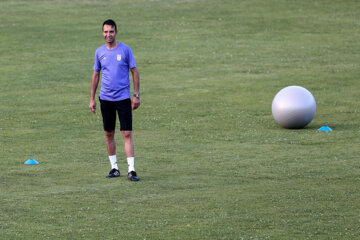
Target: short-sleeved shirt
x,y
114,65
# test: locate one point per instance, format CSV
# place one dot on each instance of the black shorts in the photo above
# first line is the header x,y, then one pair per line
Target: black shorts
x,y
123,108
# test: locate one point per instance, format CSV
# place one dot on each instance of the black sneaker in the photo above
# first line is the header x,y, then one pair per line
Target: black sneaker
x,y
132,176
113,173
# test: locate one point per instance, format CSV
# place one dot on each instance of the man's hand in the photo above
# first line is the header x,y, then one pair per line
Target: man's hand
x,y
135,103
92,106
94,84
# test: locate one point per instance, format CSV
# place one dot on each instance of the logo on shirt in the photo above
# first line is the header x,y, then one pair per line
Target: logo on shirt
x,y
119,57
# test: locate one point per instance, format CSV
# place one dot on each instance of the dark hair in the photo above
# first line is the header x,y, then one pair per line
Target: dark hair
x,y
109,22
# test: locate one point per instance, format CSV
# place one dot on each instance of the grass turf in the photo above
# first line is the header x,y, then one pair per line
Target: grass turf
x,y
213,163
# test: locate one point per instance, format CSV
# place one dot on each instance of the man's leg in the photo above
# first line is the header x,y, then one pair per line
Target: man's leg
x,y
108,112
125,117
129,143
129,150
110,142
111,148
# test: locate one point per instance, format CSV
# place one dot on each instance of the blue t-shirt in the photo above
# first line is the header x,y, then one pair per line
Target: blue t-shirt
x,y
114,65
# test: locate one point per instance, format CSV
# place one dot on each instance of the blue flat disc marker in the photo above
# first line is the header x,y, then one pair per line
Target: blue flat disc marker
x,y
31,162
325,129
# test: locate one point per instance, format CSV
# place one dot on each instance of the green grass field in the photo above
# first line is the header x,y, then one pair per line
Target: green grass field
x,y
213,162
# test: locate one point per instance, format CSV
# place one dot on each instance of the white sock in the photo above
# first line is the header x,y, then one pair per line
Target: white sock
x,y
113,162
131,163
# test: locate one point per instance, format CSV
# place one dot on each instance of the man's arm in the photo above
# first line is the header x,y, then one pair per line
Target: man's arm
x,y
94,85
136,81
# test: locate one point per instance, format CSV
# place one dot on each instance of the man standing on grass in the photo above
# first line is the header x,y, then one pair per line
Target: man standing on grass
x,y
115,59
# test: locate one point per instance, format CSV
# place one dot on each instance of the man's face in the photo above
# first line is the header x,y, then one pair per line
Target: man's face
x,y
109,33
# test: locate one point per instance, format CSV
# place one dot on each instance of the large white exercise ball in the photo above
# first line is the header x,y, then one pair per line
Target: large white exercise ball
x,y
293,107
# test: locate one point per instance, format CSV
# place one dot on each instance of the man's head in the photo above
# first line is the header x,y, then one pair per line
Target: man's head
x,y
111,23
109,31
